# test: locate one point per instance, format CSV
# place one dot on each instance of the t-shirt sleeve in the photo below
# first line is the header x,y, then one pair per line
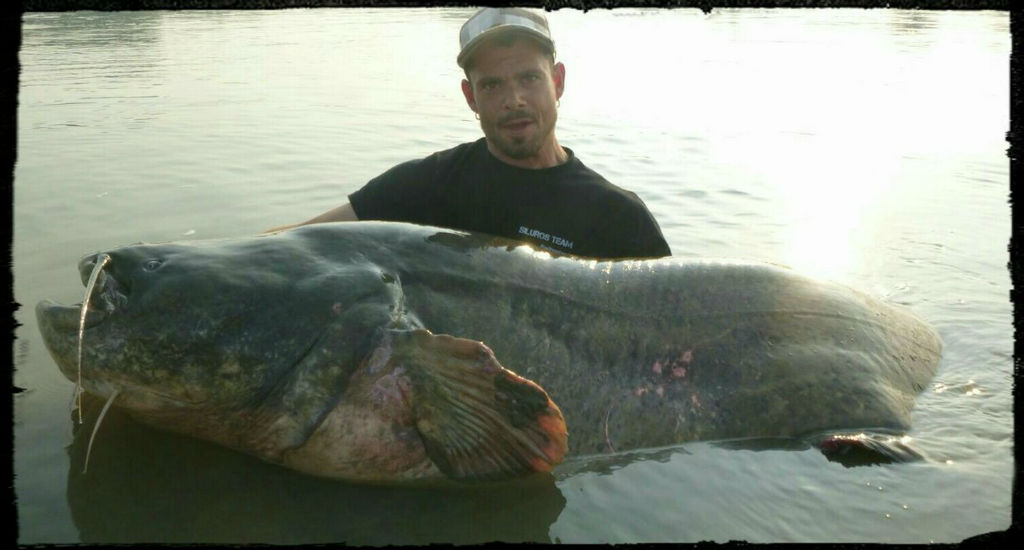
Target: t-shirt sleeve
x,y
402,193
648,242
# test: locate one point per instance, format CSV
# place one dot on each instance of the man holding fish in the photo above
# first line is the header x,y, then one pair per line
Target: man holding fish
x,y
517,181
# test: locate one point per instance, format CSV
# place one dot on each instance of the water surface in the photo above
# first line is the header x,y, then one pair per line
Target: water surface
x,y
867,146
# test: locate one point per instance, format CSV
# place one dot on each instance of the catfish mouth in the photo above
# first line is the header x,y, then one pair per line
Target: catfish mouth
x,y
108,296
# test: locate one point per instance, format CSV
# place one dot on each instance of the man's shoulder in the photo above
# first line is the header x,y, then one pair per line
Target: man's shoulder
x,y
437,163
585,174
597,186
459,152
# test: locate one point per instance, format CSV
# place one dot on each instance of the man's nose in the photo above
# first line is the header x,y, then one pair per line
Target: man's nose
x,y
515,98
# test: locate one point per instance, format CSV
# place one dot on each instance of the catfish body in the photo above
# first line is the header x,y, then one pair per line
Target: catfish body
x,y
391,351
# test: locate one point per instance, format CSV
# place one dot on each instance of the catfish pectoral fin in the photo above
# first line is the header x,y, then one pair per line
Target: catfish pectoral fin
x,y
478,420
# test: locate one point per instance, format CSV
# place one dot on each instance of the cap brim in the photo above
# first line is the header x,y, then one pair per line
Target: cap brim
x,y
500,30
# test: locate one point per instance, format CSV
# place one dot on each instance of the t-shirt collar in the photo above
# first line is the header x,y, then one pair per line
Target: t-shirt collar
x,y
570,157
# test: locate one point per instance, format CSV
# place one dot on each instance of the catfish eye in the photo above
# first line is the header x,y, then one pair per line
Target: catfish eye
x,y
152,265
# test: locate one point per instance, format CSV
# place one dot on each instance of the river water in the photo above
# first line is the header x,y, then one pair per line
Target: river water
x,y
867,146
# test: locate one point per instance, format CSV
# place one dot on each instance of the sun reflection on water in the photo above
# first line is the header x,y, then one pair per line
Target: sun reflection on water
x,y
830,194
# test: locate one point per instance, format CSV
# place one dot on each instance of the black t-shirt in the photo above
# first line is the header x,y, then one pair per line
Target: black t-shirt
x,y
567,208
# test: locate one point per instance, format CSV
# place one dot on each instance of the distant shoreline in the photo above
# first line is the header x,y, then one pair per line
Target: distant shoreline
x,y
704,5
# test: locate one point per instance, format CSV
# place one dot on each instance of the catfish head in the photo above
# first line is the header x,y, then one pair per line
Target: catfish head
x,y
207,336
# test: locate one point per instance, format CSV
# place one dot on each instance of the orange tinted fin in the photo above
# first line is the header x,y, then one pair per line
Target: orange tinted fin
x,y
478,420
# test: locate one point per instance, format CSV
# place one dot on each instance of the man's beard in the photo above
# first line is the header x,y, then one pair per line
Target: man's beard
x,y
519,146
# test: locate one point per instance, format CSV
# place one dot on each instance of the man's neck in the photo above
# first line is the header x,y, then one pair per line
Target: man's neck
x,y
548,157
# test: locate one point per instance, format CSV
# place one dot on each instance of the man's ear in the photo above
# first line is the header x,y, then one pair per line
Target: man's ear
x,y
558,73
467,90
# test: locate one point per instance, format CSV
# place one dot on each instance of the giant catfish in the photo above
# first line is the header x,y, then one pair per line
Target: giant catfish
x,y
389,352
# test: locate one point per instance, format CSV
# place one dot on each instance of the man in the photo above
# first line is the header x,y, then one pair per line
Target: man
x,y
517,181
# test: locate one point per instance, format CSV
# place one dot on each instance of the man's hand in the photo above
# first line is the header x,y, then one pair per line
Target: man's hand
x,y
343,213
282,227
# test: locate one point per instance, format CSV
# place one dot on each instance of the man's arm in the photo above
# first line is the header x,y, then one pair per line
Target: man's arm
x,y
343,213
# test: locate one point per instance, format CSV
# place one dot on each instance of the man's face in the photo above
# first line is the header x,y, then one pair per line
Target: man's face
x,y
514,89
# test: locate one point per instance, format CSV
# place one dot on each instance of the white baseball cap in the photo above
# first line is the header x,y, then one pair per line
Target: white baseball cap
x,y
489,22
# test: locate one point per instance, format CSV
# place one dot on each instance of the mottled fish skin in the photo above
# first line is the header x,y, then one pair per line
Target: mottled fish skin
x,y
657,352
267,336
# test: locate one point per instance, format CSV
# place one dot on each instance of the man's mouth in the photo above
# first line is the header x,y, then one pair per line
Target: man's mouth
x,y
517,124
